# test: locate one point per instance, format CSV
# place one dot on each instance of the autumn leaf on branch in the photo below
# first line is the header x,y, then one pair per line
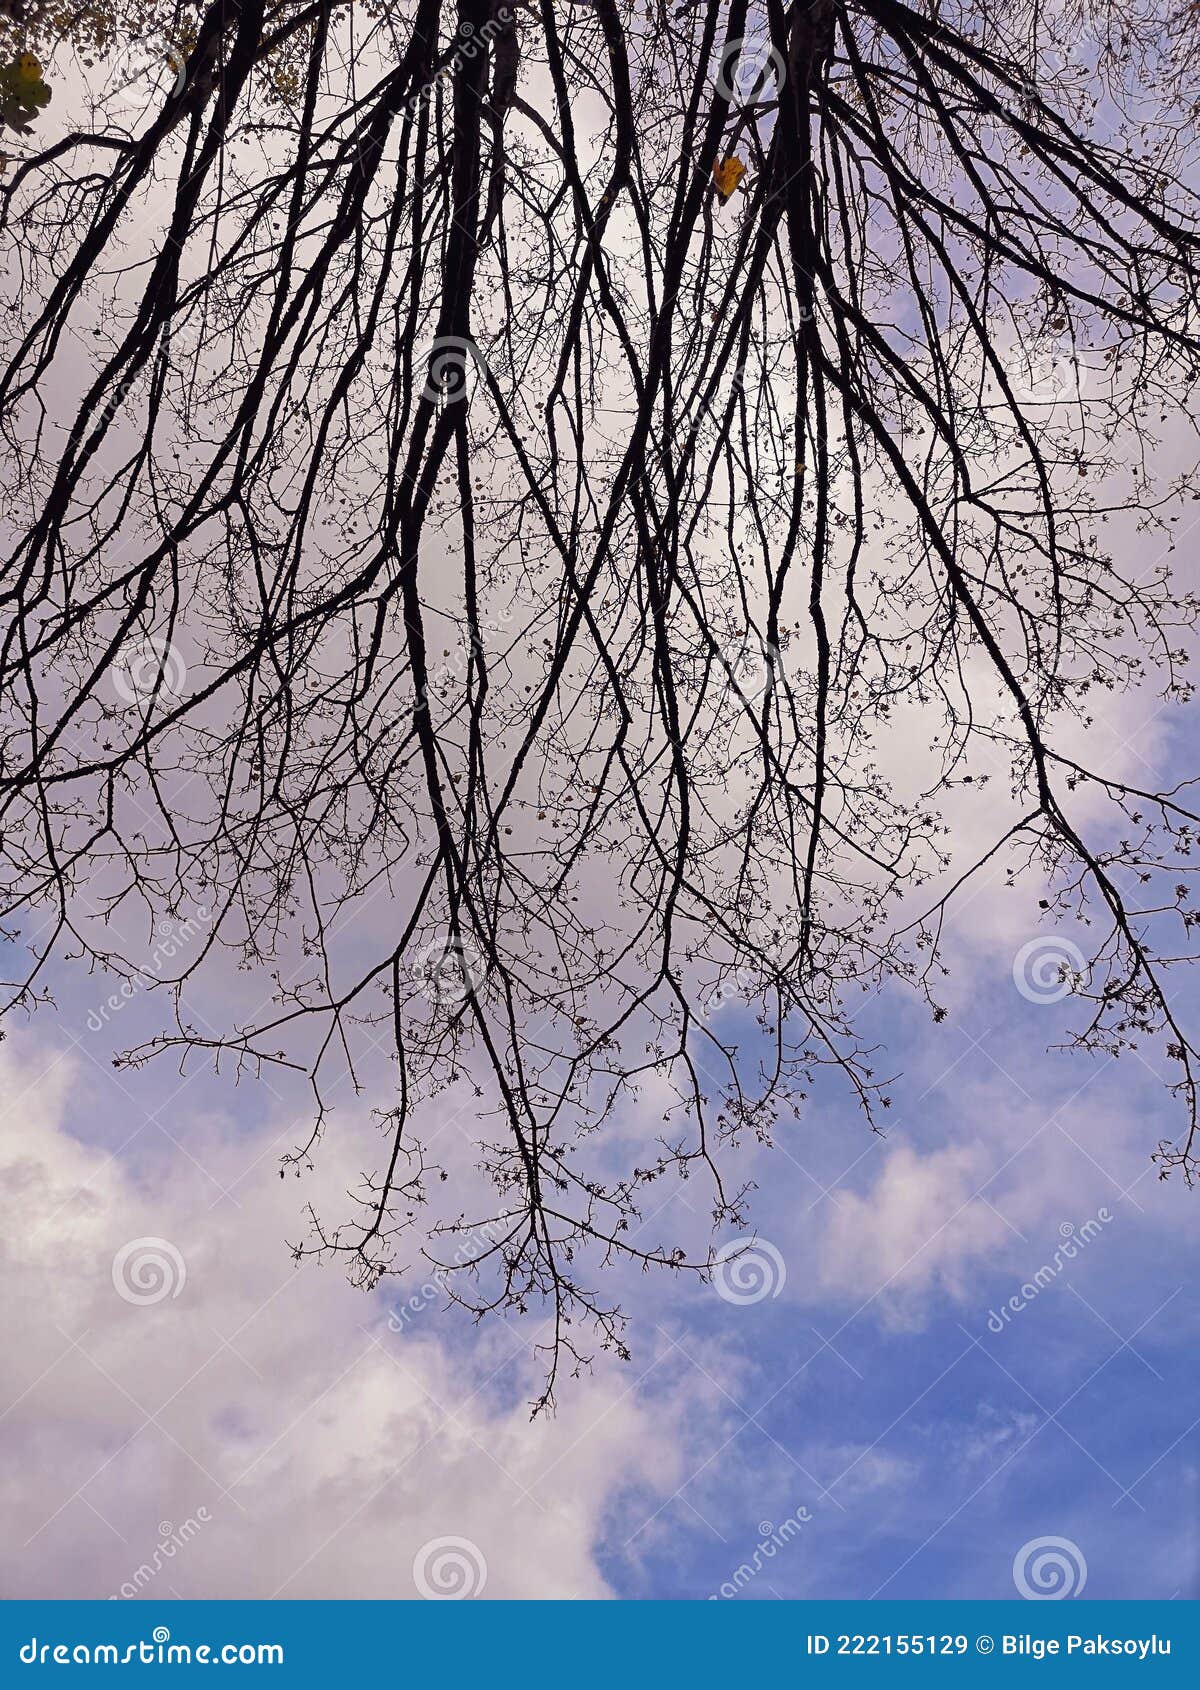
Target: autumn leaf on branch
x,y
22,92
727,173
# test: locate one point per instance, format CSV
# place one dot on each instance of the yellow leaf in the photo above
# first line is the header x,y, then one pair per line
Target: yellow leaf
x,y
727,173
22,92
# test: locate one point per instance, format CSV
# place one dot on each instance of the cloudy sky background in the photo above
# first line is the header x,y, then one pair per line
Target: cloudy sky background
x,y
305,1439
319,1446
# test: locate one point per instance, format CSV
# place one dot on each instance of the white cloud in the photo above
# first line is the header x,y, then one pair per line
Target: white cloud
x,y
860,1469
324,1448
931,1221
918,1227
992,1436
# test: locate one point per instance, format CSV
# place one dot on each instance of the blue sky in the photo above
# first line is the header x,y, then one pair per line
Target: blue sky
x,y
926,1448
330,1446
958,1445
322,1448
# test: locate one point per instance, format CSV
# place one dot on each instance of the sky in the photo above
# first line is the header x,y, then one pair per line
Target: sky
x,y
953,1361
903,1383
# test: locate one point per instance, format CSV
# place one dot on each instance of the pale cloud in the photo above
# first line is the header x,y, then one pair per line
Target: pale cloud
x,y
317,1449
917,1227
992,1435
928,1223
859,1469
